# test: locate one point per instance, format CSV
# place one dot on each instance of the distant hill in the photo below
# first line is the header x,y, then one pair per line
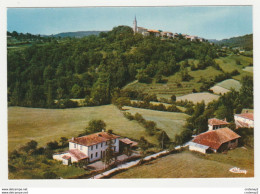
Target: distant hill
x,y
245,42
78,34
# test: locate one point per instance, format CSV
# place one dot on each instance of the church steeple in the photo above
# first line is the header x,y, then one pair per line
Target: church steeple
x,y
135,26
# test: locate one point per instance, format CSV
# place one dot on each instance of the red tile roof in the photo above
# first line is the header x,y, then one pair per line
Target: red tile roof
x,y
246,115
155,31
241,124
94,139
77,154
128,142
215,121
216,138
66,157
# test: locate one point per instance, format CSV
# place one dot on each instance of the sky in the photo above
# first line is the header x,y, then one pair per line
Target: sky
x,y
210,22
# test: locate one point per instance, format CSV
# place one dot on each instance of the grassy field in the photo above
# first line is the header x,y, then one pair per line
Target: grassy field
x,y
165,104
230,83
248,69
44,125
219,90
170,122
225,86
228,64
198,97
194,165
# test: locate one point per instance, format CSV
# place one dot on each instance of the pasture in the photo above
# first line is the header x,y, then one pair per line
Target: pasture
x,y
228,64
170,122
229,84
249,69
199,97
194,165
225,86
165,104
44,125
219,90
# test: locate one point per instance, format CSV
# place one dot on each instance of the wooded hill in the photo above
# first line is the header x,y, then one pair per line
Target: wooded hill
x,y
245,42
93,67
78,34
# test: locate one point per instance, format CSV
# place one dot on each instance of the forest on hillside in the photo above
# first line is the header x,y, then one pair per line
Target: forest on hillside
x,y
245,42
94,67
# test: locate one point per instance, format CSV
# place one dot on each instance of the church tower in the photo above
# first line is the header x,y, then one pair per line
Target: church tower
x,y
135,26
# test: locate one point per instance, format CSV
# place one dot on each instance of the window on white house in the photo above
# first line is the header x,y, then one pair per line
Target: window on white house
x,y
102,144
97,146
74,145
81,147
96,154
91,147
91,156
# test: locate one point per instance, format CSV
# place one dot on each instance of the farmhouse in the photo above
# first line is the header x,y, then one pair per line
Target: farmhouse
x,y
89,148
216,123
244,120
214,141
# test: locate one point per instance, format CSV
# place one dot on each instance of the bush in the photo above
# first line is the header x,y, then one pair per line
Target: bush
x,y
95,125
173,98
50,175
129,116
52,145
194,91
139,117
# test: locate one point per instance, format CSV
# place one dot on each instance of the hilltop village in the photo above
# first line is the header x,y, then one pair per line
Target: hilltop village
x,y
129,103
165,34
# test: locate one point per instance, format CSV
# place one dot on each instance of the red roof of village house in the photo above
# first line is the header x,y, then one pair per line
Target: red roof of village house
x,y
128,142
77,154
241,124
215,121
94,139
155,31
215,138
66,157
247,115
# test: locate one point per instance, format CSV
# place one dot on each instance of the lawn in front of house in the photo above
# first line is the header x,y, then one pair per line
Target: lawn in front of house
x,y
195,165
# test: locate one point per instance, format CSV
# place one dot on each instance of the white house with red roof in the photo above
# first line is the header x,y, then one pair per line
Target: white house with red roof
x,y
90,147
214,141
244,120
216,123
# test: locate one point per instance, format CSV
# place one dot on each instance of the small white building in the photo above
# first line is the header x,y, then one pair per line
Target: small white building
x,y
90,147
214,124
244,120
214,141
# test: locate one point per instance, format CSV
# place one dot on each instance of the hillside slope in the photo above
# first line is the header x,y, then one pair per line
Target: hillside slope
x,y
245,42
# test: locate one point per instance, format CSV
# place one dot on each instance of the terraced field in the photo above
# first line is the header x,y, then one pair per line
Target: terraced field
x,y
174,84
